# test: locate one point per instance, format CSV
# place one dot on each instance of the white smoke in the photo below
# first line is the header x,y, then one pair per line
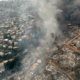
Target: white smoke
x,y
47,12
45,18
77,2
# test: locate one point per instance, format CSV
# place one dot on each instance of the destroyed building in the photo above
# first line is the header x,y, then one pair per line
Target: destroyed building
x,y
24,51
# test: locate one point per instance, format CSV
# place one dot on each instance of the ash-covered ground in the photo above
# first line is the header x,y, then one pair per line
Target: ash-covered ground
x,y
39,40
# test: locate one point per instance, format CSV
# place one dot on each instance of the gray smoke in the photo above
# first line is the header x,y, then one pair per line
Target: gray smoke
x,y
41,16
47,11
70,13
49,16
44,19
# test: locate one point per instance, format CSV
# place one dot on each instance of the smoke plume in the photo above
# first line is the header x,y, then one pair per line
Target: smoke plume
x,y
42,18
50,17
70,13
44,21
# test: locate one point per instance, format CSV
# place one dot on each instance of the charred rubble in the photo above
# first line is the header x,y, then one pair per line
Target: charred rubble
x,y
62,59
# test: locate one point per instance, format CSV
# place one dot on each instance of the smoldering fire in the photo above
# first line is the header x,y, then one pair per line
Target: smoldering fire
x,y
44,21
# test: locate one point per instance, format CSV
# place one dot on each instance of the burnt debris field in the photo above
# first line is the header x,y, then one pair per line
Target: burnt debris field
x,y
39,40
